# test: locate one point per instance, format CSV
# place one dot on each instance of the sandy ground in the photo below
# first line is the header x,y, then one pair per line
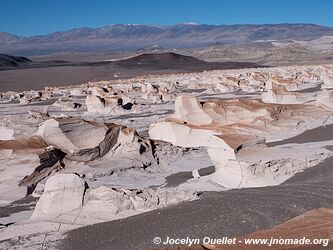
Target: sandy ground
x,y
176,179
324,133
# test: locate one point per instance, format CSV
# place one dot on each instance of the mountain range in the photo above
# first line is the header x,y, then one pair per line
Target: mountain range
x,y
132,37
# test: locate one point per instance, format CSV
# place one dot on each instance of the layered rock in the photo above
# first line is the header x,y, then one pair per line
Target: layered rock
x,y
226,127
51,160
61,142
50,132
221,153
18,158
279,94
188,109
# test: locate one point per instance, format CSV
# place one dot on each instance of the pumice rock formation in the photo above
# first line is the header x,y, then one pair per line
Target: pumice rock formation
x,y
278,94
48,159
227,127
188,109
107,150
67,104
67,202
62,194
105,102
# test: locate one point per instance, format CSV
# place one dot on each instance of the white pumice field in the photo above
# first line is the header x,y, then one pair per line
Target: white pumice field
x,y
84,154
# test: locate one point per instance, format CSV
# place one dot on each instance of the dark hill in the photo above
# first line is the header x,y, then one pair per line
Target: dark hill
x,y
177,63
168,57
167,60
13,61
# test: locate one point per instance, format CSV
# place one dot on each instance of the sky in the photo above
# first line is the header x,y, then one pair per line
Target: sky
x,y
37,17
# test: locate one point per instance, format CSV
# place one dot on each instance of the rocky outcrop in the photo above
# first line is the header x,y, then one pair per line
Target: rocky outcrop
x,y
58,139
221,153
112,202
50,132
163,92
62,194
104,102
189,110
6,134
31,97
51,160
67,203
226,127
66,197
117,140
325,99
279,94
67,105
101,105
103,140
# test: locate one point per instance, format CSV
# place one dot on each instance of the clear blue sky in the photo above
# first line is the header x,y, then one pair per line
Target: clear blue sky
x,y
30,17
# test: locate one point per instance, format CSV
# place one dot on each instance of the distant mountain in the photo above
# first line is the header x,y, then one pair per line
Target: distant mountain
x,y
132,37
6,38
